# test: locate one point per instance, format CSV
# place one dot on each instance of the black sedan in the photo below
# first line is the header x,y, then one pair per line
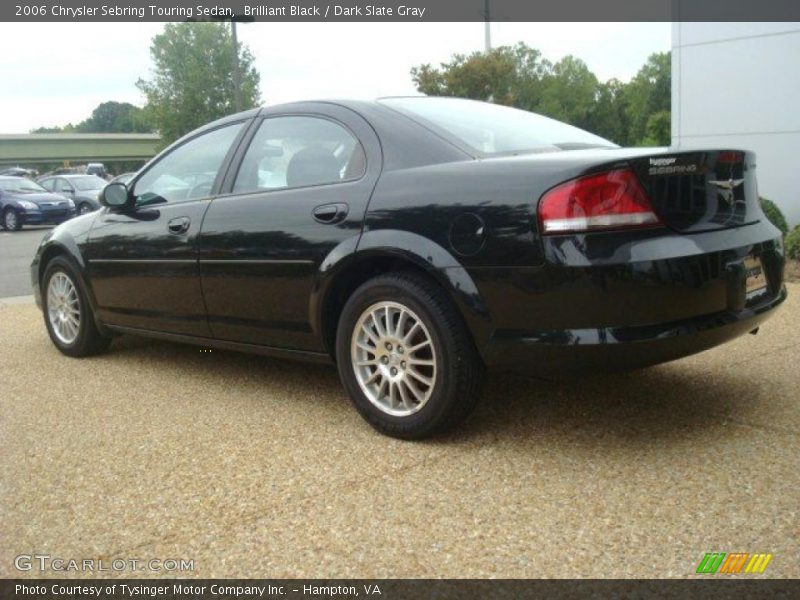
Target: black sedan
x,y
25,202
415,242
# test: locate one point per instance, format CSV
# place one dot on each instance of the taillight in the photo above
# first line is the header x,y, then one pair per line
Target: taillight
x,y
611,200
730,156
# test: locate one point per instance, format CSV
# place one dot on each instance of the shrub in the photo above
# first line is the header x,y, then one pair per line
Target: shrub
x,y
775,215
793,243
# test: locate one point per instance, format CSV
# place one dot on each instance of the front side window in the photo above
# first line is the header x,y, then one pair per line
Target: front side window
x,y
62,185
292,152
189,171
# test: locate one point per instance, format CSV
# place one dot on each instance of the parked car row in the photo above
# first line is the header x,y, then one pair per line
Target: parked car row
x,y
23,201
49,200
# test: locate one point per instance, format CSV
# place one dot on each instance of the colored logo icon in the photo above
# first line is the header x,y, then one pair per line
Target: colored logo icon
x,y
733,563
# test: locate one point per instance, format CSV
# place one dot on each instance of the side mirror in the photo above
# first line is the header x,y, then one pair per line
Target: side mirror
x,y
115,195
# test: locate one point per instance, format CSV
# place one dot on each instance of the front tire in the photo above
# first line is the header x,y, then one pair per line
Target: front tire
x,y
11,220
406,358
67,315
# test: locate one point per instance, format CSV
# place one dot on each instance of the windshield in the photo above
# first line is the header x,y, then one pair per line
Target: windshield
x,y
20,185
494,129
88,182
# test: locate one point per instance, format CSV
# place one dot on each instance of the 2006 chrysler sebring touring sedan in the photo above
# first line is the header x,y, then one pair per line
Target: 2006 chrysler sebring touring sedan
x,y
416,241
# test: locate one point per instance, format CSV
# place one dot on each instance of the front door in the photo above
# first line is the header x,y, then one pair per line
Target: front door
x,y
143,261
300,190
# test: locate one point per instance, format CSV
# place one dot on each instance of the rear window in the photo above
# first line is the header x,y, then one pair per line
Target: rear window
x,y
88,182
494,129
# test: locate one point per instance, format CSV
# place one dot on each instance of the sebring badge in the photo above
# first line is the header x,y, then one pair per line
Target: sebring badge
x,y
667,166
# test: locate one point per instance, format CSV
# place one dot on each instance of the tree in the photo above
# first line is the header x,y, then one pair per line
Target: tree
x,y
570,92
68,128
648,93
774,214
107,117
115,117
634,113
658,131
609,119
480,76
793,243
192,81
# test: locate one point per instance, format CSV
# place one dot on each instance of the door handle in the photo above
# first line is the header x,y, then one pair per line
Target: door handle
x,y
179,225
330,213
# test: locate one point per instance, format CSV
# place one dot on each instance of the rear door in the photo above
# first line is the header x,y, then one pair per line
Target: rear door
x,y
143,262
299,188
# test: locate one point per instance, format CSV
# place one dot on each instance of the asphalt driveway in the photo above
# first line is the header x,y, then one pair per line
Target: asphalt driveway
x,y
16,253
255,467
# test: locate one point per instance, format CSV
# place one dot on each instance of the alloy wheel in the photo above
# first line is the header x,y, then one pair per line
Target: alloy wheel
x,y
11,220
393,357
63,308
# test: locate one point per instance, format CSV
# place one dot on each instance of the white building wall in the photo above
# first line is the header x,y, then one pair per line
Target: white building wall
x,y
737,85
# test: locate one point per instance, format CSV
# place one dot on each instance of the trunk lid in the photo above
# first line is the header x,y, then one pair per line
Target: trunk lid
x,y
700,190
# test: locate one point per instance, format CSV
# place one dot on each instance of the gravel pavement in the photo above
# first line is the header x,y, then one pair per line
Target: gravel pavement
x,y
255,467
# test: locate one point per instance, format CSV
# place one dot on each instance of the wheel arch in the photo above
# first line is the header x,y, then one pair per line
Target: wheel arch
x,y
356,261
65,246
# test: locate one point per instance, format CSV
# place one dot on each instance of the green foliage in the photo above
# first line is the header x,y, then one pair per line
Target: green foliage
x,y
774,214
634,113
793,243
569,92
65,129
658,130
108,117
480,76
115,117
647,94
192,81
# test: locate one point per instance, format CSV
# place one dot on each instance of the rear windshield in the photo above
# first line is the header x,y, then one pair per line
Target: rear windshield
x,y
494,129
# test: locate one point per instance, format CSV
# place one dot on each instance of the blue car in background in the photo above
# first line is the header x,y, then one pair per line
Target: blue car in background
x,y
25,202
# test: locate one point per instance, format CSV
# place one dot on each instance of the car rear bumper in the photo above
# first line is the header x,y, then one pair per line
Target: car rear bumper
x,y
608,302
619,348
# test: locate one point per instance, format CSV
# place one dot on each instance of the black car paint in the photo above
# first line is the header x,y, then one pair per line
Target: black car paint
x,y
256,274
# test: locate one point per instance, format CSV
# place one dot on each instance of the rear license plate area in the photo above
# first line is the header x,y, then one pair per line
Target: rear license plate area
x,y
755,278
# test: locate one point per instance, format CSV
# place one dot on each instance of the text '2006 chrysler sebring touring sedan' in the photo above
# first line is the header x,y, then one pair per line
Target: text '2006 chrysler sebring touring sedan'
x,y
415,242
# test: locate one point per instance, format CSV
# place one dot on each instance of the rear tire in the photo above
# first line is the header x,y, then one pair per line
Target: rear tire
x,y
84,208
67,315
406,358
11,220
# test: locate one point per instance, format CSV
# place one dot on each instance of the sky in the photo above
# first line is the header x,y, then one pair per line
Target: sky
x,y
56,73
